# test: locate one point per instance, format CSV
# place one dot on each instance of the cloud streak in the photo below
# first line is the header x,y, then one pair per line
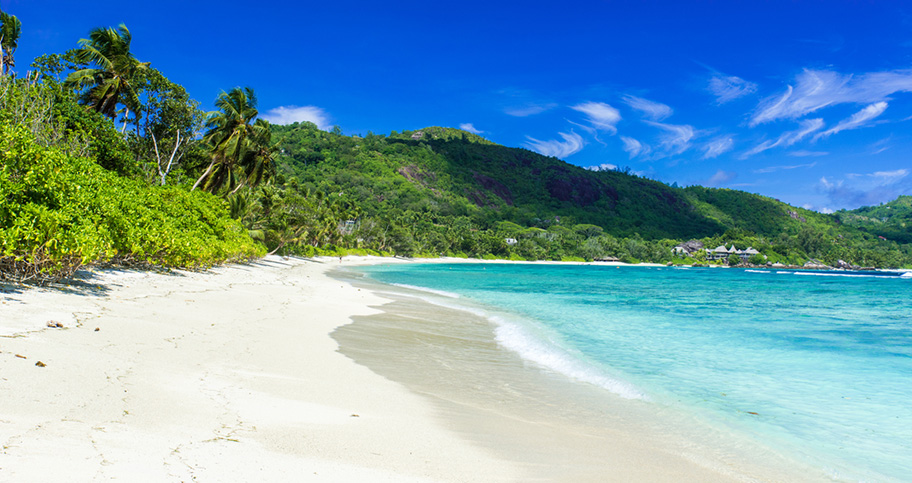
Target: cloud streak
x,y
600,115
468,126
283,115
727,88
802,153
789,138
717,147
529,110
773,169
857,120
655,111
633,147
571,144
677,137
817,89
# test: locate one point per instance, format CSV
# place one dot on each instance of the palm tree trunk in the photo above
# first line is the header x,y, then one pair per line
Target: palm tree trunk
x,y
126,115
206,173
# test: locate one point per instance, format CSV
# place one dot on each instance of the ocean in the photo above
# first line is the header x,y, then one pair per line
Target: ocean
x,y
816,365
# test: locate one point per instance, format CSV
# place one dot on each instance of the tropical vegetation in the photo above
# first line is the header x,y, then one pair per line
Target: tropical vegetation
x,y
103,159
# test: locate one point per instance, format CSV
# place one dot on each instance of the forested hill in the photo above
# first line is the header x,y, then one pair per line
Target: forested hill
x,y
891,220
448,172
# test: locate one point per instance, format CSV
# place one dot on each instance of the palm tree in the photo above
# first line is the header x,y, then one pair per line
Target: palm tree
x,y
10,27
258,163
111,81
242,149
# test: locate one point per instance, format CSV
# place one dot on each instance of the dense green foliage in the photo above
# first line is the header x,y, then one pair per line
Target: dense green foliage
x,y
445,191
110,73
76,189
60,212
241,145
60,208
892,220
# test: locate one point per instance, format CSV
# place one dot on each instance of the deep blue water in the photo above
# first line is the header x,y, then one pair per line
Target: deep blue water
x,y
818,365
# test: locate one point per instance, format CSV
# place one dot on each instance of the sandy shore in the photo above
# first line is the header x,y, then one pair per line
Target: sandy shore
x,y
233,375
228,375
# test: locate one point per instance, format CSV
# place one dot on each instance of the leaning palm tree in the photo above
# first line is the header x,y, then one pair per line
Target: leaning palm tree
x,y
258,163
10,27
241,150
111,80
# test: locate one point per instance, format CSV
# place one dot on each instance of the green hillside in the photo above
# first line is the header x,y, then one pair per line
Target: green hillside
x,y
437,177
103,159
892,220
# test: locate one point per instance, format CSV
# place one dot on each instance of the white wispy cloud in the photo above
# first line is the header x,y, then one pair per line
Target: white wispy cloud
x,y
655,111
602,116
816,89
773,169
468,126
866,189
721,177
717,147
880,145
677,137
529,109
633,147
727,88
857,120
571,144
890,176
291,114
602,167
788,138
803,153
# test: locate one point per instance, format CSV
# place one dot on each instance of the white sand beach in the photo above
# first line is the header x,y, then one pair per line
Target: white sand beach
x,y
232,375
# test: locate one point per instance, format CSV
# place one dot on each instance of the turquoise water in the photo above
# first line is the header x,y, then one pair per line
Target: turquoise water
x,y
818,366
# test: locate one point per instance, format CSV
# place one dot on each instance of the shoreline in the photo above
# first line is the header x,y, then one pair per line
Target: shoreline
x,y
226,375
598,430
236,373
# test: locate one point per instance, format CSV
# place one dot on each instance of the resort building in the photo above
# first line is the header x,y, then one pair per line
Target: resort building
x,y
721,252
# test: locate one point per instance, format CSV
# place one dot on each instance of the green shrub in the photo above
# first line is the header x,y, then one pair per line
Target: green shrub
x,y
59,212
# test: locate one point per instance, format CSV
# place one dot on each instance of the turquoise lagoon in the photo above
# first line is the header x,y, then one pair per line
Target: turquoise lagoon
x,y
814,365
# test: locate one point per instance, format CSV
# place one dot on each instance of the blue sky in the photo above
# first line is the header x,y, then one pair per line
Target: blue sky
x,y
806,101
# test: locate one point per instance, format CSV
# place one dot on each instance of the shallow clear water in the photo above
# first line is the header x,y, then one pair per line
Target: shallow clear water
x,y
815,365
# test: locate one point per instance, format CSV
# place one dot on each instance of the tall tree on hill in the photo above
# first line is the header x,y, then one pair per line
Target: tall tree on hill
x,y
10,28
111,81
241,144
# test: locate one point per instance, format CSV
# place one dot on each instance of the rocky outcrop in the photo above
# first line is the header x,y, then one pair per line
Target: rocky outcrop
x,y
494,186
846,265
795,215
816,265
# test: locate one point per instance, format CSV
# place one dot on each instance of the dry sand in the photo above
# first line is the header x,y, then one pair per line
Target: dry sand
x,y
231,375
228,375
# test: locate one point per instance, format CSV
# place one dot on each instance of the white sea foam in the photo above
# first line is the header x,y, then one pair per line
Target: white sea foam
x,y
758,271
514,337
529,347
906,275
838,274
442,293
